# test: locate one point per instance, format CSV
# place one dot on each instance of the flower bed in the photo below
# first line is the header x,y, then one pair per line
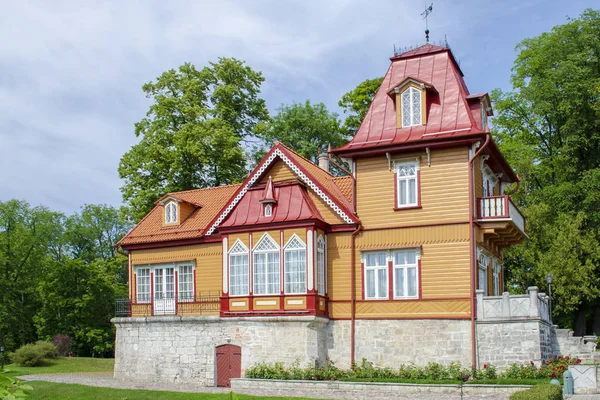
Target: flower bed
x,y
431,373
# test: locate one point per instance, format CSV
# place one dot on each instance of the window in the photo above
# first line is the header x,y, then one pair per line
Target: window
x,y
411,107
186,283
376,275
171,213
483,261
407,184
266,266
405,274
295,266
497,269
238,269
489,181
142,288
268,210
321,265
483,117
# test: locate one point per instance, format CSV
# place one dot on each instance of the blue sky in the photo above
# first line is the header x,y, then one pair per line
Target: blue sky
x,y
72,71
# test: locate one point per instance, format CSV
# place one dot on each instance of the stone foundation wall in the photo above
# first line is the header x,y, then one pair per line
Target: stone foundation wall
x,y
502,343
175,349
395,342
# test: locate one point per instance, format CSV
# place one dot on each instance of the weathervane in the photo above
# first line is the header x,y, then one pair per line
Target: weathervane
x,y
425,14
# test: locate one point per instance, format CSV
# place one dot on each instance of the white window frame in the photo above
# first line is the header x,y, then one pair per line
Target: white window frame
x,y
171,212
496,268
487,175
256,254
483,260
321,266
484,119
406,179
143,281
376,268
288,250
411,112
406,267
238,249
183,285
268,210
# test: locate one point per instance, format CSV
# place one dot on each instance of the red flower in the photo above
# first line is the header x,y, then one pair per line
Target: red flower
x,y
532,363
578,361
554,375
484,366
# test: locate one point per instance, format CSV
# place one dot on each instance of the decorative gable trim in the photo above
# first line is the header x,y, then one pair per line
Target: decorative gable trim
x,y
258,173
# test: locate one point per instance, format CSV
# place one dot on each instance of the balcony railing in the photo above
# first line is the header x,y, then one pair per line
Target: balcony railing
x,y
513,307
500,208
144,306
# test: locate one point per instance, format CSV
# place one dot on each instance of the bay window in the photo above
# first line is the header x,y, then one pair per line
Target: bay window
x,y
266,266
238,270
295,266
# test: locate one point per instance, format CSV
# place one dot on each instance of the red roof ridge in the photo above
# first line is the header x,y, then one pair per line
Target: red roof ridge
x,y
427,48
304,158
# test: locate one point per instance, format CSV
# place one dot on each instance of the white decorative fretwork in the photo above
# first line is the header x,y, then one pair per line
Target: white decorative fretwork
x,y
297,171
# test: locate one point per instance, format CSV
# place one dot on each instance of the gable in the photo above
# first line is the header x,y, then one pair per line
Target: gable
x,y
321,182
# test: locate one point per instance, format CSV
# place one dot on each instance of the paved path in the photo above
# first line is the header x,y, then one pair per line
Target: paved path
x,y
105,379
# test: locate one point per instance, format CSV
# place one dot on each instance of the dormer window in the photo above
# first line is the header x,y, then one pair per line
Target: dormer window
x,y
171,213
483,117
268,210
411,107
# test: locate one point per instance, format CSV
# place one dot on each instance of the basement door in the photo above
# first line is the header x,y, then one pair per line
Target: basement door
x,y
229,364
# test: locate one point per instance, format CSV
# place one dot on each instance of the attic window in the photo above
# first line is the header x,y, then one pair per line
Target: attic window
x,y
483,117
268,210
171,213
411,107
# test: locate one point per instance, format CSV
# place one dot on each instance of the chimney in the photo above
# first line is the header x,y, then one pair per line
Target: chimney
x,y
324,161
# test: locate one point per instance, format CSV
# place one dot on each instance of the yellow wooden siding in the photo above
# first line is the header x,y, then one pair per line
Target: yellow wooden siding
x,y
478,177
445,270
401,309
279,171
338,266
242,237
275,235
443,190
185,210
288,233
326,212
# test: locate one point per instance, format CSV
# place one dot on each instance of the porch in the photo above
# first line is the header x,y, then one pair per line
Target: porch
x,y
207,303
533,305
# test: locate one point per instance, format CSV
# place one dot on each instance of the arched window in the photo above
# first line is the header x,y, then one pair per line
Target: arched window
x,y
321,265
411,107
266,266
171,213
268,210
295,266
238,269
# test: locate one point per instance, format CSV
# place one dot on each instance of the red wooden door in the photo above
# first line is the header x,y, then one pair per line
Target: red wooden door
x,y
229,364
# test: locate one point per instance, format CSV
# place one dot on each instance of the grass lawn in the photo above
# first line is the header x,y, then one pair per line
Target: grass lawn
x,y
64,364
61,391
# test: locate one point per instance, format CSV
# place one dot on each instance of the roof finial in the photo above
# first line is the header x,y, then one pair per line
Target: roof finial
x,y
425,14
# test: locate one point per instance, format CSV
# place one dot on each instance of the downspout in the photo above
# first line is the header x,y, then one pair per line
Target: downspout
x,y
473,247
353,292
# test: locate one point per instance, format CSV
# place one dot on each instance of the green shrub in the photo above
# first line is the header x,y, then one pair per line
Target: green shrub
x,y
48,349
544,391
32,355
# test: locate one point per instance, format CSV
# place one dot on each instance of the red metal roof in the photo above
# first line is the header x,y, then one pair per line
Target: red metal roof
x,y
293,204
447,111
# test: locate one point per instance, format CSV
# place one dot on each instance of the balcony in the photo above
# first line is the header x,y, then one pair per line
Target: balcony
x,y
203,304
533,305
501,222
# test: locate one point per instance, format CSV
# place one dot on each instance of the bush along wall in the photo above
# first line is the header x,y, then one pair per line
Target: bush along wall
x,y
431,373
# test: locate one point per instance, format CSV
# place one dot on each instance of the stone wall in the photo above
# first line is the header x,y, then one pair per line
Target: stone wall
x,y
176,349
395,342
502,343
373,390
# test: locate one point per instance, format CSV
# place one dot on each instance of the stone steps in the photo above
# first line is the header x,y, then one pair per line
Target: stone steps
x,y
582,347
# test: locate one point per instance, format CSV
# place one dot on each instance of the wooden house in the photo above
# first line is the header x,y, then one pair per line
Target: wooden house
x,y
384,263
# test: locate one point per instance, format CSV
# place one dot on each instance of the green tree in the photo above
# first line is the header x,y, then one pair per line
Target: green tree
x,y
303,127
356,103
549,129
77,299
192,134
26,236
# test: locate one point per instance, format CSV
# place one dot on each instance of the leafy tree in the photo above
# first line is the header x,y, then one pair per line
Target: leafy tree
x,y
549,129
26,234
303,127
356,103
192,134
